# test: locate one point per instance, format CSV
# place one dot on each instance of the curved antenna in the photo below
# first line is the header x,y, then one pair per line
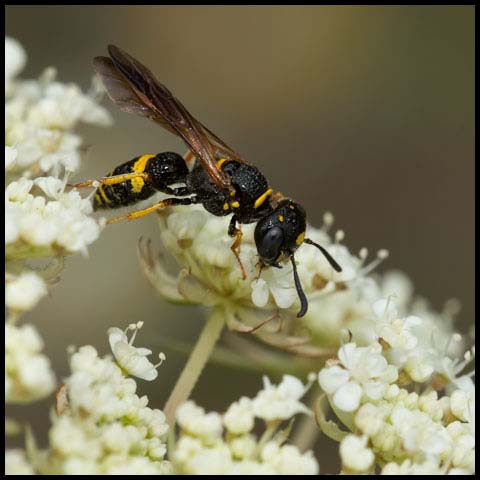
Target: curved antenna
x,y
301,293
330,259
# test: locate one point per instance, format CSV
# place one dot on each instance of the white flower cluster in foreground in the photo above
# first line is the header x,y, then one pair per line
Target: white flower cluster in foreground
x,y
28,375
213,444
16,463
55,222
392,405
42,220
102,426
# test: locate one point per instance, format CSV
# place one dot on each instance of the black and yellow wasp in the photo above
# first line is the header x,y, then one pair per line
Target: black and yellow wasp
x,y
221,180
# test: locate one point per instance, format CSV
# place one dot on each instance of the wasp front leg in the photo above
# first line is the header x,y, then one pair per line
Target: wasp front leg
x,y
235,232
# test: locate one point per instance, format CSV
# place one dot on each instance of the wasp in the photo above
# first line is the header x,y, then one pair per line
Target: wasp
x,y
221,180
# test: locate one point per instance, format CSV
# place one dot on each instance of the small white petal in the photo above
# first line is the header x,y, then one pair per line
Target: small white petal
x,y
347,397
259,292
332,378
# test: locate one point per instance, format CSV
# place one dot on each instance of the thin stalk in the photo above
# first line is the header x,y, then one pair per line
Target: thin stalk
x,y
195,364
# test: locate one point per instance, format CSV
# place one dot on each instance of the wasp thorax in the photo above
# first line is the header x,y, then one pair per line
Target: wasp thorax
x,y
281,233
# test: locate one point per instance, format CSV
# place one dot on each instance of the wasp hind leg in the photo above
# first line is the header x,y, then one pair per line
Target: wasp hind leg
x,y
235,232
168,202
111,180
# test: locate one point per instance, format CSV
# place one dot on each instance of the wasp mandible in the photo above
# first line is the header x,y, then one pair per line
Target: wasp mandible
x,y
220,180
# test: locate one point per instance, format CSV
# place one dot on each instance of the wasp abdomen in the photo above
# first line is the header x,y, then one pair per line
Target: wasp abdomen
x,y
128,192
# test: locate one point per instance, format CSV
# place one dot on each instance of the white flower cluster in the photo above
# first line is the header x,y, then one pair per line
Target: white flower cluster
x,y
57,222
210,276
24,291
39,117
28,375
204,447
407,431
41,219
199,241
103,426
16,463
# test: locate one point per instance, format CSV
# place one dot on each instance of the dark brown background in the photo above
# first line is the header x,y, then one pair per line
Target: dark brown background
x,y
364,111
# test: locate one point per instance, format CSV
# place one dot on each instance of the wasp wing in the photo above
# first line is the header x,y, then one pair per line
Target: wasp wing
x,y
135,90
120,91
220,147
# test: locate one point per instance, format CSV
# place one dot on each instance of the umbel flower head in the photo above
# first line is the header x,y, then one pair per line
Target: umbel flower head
x,y
205,272
212,443
410,423
266,302
101,426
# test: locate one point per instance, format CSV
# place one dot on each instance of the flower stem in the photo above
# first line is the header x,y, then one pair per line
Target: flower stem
x,y
195,364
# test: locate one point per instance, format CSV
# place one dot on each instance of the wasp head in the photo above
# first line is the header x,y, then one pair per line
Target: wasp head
x,y
279,234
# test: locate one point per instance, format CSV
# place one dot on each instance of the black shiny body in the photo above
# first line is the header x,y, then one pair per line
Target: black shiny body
x,y
249,199
221,180
163,170
167,169
248,184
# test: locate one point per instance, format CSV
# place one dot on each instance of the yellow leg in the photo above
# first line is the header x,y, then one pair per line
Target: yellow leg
x,y
111,180
157,206
235,248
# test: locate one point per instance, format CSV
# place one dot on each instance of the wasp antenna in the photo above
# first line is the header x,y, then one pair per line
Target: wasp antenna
x,y
301,293
330,259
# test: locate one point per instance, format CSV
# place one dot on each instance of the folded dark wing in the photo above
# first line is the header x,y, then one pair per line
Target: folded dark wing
x,y
135,90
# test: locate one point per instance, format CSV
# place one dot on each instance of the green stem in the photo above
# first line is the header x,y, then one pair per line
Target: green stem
x,y
195,364
307,431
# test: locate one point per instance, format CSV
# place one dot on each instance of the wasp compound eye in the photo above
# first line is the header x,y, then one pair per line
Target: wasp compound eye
x,y
269,243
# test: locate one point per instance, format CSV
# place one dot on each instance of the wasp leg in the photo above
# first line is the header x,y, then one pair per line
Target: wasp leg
x,y
114,179
188,157
233,231
168,202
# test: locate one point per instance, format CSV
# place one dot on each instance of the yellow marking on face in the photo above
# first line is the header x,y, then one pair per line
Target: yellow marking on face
x,y
235,205
103,195
226,206
221,162
262,198
300,238
292,207
280,217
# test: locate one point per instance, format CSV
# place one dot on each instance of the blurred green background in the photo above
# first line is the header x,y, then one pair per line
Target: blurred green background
x,y
364,111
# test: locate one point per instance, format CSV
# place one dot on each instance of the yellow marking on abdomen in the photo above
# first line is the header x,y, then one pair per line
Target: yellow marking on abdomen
x,y
300,238
235,205
139,167
226,206
280,218
221,162
103,195
262,198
